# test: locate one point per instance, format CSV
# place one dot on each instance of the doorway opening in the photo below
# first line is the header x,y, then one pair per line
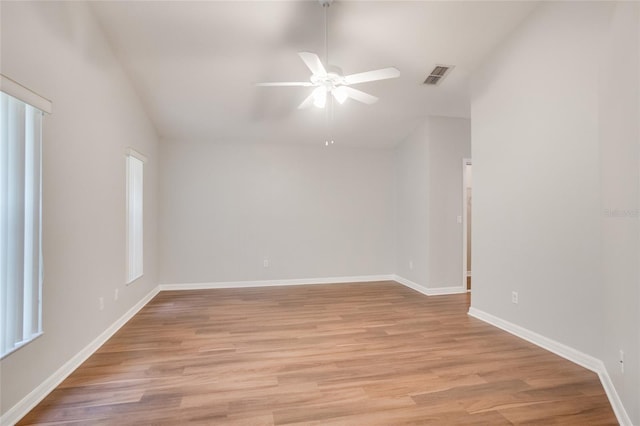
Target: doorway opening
x,y
467,183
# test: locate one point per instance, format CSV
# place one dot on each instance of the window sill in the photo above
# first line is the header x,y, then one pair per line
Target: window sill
x,y
21,345
129,282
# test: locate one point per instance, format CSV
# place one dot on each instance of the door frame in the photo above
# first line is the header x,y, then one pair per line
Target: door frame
x,y
465,162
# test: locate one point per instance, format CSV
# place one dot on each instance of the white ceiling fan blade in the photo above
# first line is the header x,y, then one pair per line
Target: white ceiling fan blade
x,y
312,62
307,103
381,74
286,83
360,96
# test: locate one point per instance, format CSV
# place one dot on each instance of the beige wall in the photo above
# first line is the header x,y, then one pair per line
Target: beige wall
x,y
429,200
57,50
313,211
619,134
552,151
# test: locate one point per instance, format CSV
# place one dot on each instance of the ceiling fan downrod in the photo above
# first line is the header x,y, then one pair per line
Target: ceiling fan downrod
x,y
325,5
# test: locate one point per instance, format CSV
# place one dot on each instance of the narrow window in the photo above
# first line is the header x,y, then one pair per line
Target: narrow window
x,y
135,163
20,215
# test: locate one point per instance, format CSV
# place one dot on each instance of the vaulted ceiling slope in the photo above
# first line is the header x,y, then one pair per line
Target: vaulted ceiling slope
x,y
194,63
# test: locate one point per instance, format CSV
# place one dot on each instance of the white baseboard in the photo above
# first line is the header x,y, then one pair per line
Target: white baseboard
x,y
408,283
614,398
567,352
429,291
557,348
439,291
273,283
15,413
22,408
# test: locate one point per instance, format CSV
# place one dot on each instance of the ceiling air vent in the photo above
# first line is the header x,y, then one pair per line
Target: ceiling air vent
x,y
438,74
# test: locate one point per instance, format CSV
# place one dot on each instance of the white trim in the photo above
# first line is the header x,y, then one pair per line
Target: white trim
x,y
134,253
440,291
26,95
408,283
22,344
22,408
566,352
273,283
130,152
465,272
557,348
614,398
429,291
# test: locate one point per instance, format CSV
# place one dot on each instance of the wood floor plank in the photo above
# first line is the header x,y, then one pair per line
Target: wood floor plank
x,y
351,354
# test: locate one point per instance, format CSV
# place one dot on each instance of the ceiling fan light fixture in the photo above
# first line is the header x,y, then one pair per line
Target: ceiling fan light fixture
x,y
340,94
331,81
320,96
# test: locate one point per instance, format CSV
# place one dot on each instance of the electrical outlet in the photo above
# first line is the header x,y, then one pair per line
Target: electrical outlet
x,y
621,361
116,294
411,264
101,303
265,262
514,297
459,219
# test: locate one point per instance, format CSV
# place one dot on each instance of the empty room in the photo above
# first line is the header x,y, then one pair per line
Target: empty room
x,y
325,212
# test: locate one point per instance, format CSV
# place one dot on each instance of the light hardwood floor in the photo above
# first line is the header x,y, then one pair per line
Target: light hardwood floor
x,y
351,354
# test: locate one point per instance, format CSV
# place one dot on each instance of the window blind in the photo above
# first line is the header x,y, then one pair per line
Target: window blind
x,y
20,223
134,217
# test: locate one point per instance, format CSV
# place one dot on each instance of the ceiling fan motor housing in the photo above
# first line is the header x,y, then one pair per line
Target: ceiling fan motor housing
x,y
332,79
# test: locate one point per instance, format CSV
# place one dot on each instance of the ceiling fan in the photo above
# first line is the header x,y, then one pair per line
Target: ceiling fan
x,y
332,81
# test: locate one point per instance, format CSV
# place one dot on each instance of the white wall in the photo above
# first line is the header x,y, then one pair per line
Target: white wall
x,y
536,176
544,125
57,50
449,143
551,150
619,118
313,211
429,200
412,206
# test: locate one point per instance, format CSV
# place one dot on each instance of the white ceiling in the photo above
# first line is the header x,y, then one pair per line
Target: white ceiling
x,y
194,63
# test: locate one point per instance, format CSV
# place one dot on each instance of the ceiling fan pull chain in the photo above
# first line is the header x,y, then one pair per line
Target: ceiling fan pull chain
x,y
326,126
331,121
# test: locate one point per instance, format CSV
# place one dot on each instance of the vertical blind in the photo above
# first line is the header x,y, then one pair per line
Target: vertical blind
x,y
20,223
134,218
